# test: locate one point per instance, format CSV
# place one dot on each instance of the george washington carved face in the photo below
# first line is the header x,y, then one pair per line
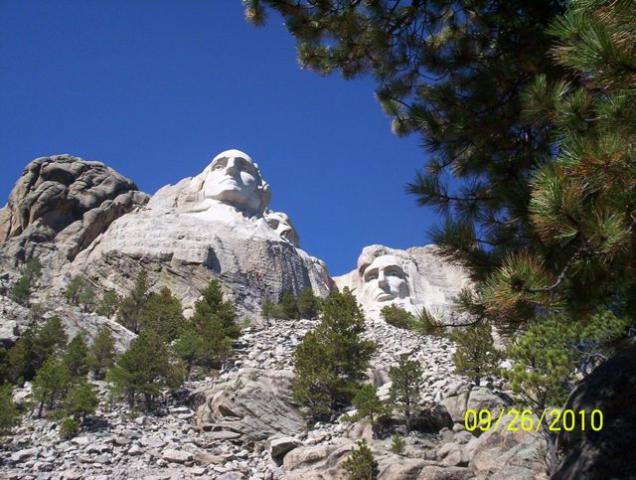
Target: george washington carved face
x,y
234,179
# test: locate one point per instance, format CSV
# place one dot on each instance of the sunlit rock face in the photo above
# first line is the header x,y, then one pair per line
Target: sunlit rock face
x,y
281,222
213,223
413,279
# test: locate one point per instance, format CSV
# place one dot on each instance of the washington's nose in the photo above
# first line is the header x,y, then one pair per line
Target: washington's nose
x,y
230,167
382,280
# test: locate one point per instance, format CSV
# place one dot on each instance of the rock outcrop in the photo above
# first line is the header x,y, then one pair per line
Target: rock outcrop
x,y
213,224
413,279
59,206
609,452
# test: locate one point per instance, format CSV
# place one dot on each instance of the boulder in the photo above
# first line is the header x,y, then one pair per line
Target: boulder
x,y
608,453
60,205
254,406
280,446
176,456
515,455
432,419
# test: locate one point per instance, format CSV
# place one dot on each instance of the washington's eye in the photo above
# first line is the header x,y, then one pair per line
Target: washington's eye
x,y
273,224
371,275
247,166
220,163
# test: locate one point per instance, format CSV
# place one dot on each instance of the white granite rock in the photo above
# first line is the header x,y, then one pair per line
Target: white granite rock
x,y
213,224
413,279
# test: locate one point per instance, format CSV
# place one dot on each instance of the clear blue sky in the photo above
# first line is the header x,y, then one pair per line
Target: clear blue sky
x,y
156,88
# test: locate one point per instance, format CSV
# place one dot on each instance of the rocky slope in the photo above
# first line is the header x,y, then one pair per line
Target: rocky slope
x,y
242,425
83,218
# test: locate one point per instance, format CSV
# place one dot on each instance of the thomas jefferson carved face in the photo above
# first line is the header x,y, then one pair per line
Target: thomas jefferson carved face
x,y
233,178
280,222
384,279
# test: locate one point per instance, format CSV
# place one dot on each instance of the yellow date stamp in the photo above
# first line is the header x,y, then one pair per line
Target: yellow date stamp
x,y
553,419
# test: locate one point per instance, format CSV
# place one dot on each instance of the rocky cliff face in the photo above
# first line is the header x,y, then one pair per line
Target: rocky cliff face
x,y
215,224
59,206
83,218
413,279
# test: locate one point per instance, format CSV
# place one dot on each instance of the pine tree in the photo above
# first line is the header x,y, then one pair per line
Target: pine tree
x,y
132,305
144,370
425,324
102,352
332,359
76,356
212,303
397,444
308,304
51,383
33,269
22,290
81,400
453,73
368,405
405,388
476,355
37,343
9,414
543,363
108,304
188,347
163,313
75,288
360,464
288,306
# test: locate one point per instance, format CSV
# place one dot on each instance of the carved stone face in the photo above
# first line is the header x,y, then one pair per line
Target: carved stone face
x,y
234,179
384,280
280,222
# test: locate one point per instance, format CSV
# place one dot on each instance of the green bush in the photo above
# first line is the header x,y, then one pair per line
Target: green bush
x,y
397,444
76,356
360,464
108,303
405,388
398,317
9,415
80,400
69,429
51,383
102,352
163,313
143,371
332,359
476,355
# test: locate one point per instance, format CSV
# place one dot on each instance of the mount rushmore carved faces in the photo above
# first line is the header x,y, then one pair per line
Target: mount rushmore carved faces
x,y
281,222
383,279
232,179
